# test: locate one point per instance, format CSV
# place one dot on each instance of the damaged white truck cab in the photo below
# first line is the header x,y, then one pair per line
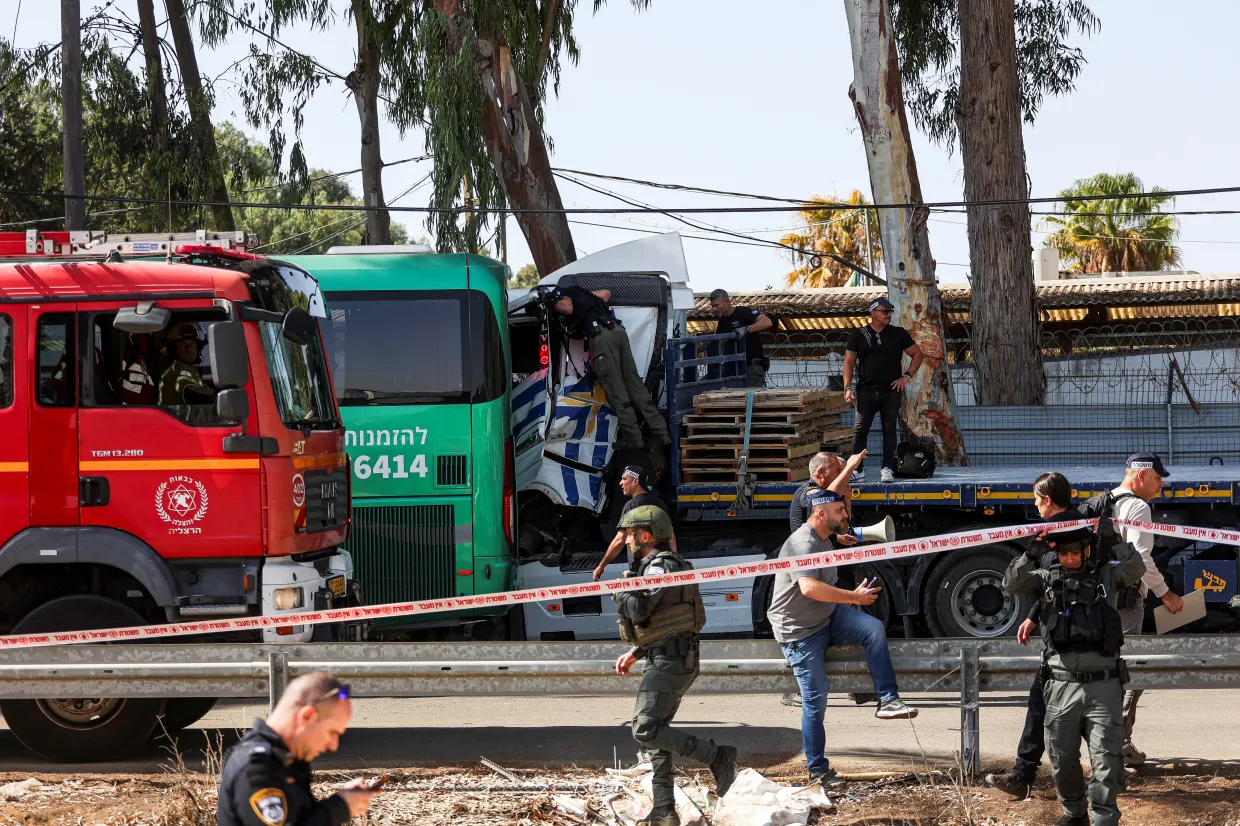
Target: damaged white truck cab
x,y
564,430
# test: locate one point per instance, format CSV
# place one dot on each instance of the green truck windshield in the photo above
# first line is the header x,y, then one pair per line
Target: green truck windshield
x,y
401,348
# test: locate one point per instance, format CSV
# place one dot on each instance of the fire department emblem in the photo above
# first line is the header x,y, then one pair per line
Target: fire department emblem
x,y
181,501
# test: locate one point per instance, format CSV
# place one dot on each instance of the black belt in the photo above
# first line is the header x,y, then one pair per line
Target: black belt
x,y
1083,676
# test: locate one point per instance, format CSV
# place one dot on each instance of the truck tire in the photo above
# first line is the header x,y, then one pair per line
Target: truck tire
x,y
81,730
183,712
965,596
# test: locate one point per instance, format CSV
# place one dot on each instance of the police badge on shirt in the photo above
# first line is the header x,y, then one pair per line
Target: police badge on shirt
x,y
270,806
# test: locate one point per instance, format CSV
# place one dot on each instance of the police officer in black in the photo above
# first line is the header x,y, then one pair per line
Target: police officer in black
x,y
662,625
266,777
746,323
1082,668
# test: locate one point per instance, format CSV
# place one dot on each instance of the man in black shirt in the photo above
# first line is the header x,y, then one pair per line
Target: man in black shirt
x,y
588,316
635,483
744,323
876,350
266,777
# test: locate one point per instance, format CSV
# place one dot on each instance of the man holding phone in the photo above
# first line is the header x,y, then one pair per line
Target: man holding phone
x,y
808,613
266,777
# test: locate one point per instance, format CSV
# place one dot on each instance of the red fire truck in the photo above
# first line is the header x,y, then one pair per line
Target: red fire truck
x,y
170,449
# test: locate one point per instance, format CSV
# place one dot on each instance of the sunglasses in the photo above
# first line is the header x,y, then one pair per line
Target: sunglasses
x,y
341,693
884,312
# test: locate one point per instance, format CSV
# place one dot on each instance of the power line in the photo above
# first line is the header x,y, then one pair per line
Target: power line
x,y
671,211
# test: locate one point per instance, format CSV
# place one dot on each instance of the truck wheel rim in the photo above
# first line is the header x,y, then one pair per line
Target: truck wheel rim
x,y
980,605
81,712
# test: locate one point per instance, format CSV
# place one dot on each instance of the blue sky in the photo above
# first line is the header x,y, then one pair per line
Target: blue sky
x,y
753,97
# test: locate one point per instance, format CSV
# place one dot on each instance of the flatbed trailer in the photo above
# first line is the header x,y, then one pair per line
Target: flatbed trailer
x,y
953,593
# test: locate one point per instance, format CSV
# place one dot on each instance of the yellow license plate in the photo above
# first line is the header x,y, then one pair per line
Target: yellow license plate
x,y
336,584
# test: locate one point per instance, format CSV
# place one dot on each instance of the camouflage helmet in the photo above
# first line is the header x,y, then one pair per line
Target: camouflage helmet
x,y
652,518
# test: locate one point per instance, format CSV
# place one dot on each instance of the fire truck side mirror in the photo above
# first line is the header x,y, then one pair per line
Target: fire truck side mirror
x,y
144,318
230,361
298,326
233,405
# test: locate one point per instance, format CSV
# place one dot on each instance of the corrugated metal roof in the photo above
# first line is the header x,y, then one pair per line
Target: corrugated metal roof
x,y
1117,292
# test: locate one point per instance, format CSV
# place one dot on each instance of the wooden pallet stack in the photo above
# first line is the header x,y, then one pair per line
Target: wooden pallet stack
x,y
787,427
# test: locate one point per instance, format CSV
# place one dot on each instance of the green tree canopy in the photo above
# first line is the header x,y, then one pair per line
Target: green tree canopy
x,y
526,277
1126,234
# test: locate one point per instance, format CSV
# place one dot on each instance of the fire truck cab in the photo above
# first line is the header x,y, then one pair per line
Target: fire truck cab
x,y
170,450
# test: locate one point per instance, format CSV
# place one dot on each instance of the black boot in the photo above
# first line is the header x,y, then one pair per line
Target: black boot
x,y
1013,783
724,769
1073,820
661,816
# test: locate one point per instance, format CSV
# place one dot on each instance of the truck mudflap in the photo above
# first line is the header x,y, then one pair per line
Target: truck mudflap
x,y
729,605
291,587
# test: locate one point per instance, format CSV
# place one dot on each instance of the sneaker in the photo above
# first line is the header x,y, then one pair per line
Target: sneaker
x,y
858,475
1011,783
661,816
793,700
1133,756
829,779
886,476
724,769
895,709
1073,820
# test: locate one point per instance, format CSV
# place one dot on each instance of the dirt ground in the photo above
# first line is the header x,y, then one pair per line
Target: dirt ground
x,y
1200,794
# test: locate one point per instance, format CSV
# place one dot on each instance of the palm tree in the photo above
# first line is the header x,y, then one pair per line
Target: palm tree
x,y
1124,234
831,230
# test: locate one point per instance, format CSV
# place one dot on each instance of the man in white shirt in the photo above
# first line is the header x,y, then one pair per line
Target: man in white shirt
x,y
1143,480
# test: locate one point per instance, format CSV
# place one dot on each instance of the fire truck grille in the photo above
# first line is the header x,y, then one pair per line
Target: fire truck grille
x,y
404,553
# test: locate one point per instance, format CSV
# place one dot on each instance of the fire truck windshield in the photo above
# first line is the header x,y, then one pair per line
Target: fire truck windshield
x,y
298,379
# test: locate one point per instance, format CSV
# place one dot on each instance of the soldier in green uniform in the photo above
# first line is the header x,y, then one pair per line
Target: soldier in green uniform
x,y
662,625
181,383
1084,673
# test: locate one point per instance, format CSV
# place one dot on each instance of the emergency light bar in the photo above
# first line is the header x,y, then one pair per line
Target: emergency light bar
x,y
88,244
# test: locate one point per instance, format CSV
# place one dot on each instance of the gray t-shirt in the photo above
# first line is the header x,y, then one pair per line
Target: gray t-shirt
x,y
794,616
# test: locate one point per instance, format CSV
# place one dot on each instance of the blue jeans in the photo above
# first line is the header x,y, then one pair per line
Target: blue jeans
x,y
808,660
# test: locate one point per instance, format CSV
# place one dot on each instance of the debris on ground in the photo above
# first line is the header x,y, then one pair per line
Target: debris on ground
x,y
755,801
18,790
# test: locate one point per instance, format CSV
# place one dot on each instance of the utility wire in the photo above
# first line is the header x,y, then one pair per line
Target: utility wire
x,y
468,210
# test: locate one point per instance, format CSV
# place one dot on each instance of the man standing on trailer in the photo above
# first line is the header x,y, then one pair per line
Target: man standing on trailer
x,y
635,483
588,316
876,352
1143,480
744,323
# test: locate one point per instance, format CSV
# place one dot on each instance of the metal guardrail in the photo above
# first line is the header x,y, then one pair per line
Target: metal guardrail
x,y
970,666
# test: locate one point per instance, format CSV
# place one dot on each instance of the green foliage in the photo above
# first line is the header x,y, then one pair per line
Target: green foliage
x,y
1128,234
928,36
526,277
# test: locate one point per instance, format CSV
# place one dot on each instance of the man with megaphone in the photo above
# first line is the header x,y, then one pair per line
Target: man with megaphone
x,y
808,613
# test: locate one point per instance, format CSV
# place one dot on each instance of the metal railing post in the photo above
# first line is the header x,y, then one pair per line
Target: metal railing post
x,y
970,703
277,677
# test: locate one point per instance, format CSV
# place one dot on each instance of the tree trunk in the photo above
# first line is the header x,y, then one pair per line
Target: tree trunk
x,y
928,411
1007,353
515,142
200,112
363,81
154,77
71,112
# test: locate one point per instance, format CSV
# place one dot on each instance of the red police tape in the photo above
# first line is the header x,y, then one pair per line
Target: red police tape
x,y
826,559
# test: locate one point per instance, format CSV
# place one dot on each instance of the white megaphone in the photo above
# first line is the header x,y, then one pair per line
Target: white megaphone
x,y
884,531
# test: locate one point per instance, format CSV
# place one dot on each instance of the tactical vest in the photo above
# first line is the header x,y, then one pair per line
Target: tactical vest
x,y
674,616
1079,613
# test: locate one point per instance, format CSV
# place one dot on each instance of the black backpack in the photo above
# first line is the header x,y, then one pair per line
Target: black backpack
x,y
1102,507
914,461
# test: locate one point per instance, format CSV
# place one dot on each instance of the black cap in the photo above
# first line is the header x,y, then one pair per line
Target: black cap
x,y
1147,461
881,302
